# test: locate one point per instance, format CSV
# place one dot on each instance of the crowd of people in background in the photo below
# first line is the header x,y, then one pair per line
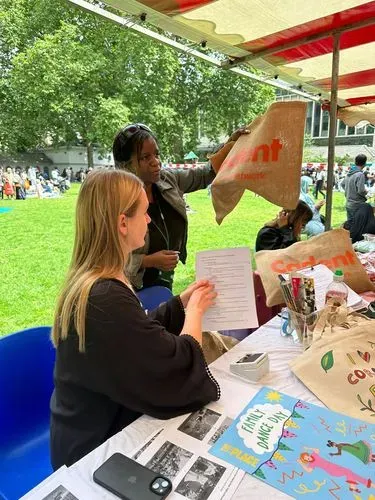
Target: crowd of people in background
x,y
356,182
18,183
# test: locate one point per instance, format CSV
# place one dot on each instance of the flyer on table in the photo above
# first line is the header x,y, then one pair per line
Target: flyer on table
x,y
300,448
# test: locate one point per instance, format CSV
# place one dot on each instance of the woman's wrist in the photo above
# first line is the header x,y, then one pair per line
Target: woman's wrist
x,y
148,261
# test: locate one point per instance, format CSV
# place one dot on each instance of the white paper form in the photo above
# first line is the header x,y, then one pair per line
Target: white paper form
x,y
230,271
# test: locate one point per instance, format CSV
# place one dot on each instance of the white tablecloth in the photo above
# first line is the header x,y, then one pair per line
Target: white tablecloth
x,y
236,393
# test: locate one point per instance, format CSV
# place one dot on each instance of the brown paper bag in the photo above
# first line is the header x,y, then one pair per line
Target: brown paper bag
x,y
214,345
267,161
339,367
333,249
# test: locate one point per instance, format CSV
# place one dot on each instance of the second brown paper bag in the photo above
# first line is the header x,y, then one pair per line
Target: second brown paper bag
x,y
267,161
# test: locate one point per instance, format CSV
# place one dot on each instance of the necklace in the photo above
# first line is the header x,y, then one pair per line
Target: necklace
x,y
165,233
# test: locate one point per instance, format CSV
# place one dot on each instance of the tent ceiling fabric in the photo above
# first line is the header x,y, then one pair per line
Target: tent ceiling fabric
x,y
352,115
241,29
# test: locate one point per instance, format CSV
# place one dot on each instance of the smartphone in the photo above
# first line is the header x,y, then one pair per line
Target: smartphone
x,y
130,480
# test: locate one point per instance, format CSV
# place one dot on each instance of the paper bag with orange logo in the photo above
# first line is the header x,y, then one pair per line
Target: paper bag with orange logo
x,y
267,161
333,248
339,367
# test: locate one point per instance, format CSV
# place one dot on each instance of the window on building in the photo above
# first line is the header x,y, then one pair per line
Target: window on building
x,y
360,130
325,124
317,113
351,130
309,118
342,128
370,129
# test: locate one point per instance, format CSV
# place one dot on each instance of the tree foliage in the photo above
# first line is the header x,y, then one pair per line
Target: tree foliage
x,y
68,76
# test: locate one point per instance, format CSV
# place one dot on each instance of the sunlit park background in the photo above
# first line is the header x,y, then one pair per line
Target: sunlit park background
x,y
69,79
37,239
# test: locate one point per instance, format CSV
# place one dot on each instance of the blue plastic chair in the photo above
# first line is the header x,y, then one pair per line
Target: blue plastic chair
x,y
153,296
26,384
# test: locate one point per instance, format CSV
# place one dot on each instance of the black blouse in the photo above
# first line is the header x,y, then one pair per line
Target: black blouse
x,y
274,238
166,230
133,364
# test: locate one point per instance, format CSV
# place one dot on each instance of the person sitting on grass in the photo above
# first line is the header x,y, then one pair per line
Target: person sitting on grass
x,y
285,229
315,226
114,361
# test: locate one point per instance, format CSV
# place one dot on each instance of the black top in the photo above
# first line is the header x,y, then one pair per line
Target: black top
x,y
166,230
132,365
273,238
363,222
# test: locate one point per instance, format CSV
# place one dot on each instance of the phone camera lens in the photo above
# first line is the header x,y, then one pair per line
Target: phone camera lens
x,y
160,485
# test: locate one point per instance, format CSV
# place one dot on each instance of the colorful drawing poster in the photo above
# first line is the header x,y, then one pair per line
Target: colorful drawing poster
x,y
301,449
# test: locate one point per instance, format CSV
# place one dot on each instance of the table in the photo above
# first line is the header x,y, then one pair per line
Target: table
x,y
267,338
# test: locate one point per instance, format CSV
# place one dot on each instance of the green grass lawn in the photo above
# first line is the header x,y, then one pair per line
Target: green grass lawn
x,y
37,240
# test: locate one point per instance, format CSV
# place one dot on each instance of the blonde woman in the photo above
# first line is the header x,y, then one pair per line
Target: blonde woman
x,y
114,362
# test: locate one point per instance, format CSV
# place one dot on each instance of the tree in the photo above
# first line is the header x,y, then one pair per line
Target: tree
x,y
55,94
69,76
343,160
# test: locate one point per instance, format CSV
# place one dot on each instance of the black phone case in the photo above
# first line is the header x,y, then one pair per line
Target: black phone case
x,y
128,479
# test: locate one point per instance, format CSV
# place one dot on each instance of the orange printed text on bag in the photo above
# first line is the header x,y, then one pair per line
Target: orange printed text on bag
x,y
269,153
345,259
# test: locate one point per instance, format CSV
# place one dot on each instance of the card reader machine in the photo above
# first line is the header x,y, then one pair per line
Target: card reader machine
x,y
251,366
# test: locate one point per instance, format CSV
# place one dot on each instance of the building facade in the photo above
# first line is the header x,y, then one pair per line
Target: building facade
x,y
349,140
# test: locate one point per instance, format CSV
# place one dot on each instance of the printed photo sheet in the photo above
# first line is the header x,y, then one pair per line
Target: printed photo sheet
x,y
179,451
62,485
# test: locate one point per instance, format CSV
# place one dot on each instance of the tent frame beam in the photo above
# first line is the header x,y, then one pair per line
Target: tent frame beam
x,y
130,24
332,129
297,43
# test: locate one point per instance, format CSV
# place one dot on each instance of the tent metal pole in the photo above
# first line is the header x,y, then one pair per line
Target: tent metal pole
x,y
332,128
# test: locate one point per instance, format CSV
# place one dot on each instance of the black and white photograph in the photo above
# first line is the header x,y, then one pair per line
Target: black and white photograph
x,y
200,481
199,423
220,431
146,445
169,460
60,493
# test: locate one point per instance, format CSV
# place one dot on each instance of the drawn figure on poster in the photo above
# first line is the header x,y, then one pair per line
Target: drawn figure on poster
x,y
311,461
360,450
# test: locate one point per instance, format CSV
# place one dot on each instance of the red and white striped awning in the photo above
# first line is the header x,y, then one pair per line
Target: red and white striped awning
x,y
288,39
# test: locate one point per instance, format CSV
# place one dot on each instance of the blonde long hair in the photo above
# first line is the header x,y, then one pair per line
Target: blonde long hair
x,y
98,252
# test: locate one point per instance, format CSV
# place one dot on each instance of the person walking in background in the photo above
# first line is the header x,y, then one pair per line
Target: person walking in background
x,y
1,183
8,180
319,185
306,180
355,188
18,184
